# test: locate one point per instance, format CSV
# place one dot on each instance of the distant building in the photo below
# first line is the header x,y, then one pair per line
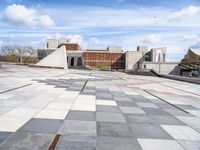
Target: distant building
x,y
112,57
158,54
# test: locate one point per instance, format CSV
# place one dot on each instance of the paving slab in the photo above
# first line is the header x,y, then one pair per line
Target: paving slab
x,y
36,125
149,131
157,144
112,111
84,128
27,141
117,143
109,117
81,115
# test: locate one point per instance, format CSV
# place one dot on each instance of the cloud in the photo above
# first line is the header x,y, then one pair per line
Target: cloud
x,y
16,14
188,11
78,39
1,43
95,41
151,39
194,39
196,45
191,37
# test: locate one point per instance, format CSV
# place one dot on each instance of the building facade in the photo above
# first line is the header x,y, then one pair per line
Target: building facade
x,y
112,57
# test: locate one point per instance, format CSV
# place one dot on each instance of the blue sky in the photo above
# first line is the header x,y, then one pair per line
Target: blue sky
x,y
174,24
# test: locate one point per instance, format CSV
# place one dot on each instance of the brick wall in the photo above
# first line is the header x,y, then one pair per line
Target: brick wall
x,y
71,47
104,60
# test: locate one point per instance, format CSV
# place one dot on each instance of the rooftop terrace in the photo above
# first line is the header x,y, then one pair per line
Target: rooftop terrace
x,y
78,109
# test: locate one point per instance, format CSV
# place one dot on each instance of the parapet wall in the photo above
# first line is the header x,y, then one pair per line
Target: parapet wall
x,y
167,68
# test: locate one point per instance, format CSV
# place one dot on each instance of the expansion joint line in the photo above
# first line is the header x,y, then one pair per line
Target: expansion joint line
x,y
180,90
15,88
165,101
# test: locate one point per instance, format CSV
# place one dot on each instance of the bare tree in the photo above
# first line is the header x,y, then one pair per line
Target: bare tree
x,y
22,53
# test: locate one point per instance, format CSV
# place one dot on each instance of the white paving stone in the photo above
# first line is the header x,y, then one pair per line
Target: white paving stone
x,y
106,103
54,105
11,124
22,112
82,107
158,144
52,114
182,132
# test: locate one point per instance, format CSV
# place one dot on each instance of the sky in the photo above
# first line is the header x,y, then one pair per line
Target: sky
x,y
174,24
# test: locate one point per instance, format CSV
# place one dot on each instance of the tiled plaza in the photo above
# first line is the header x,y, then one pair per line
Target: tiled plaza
x,y
96,110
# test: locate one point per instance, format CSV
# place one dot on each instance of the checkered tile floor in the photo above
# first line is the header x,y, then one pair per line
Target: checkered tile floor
x,y
96,110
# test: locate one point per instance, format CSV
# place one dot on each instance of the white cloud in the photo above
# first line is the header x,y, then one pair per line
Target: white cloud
x,y
78,39
191,37
1,43
95,41
153,38
20,15
196,45
188,11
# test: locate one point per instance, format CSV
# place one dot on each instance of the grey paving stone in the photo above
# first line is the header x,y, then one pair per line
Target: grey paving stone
x,y
190,145
27,141
165,105
113,129
81,115
120,98
127,103
147,105
116,93
139,119
117,143
149,131
103,96
166,120
41,126
155,111
88,92
80,128
109,117
4,135
74,142
187,107
131,110
139,98
107,109
157,101
177,112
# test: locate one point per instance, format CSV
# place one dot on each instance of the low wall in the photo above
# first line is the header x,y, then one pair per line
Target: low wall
x,y
179,78
167,68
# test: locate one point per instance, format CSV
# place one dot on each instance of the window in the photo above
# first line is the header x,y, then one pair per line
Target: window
x,y
163,57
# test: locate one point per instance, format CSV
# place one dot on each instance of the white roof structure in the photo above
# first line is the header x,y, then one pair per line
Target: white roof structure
x,y
196,51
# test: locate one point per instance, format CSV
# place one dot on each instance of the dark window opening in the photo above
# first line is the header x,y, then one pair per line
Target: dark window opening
x,y
72,61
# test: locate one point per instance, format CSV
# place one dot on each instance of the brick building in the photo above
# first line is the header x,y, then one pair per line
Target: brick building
x,y
110,58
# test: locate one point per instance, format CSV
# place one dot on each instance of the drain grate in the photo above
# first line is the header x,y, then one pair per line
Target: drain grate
x,y
54,142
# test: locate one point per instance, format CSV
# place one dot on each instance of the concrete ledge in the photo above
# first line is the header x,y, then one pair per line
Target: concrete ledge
x,y
46,67
179,78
